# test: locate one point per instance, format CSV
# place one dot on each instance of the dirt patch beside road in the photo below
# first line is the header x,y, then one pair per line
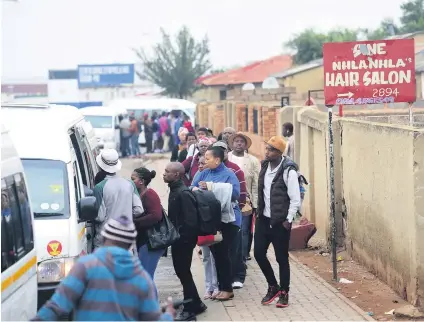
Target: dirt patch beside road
x,y
366,291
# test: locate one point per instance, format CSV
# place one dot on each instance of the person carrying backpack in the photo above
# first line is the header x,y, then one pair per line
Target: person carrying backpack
x,y
182,212
279,202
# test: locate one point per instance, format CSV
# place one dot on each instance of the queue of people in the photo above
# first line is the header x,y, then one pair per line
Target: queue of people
x,y
161,132
264,194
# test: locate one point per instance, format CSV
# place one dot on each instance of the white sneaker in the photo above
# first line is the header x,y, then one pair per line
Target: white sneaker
x,y
237,285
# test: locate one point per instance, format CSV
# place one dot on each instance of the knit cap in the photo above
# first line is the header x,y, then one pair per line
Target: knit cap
x,y
121,229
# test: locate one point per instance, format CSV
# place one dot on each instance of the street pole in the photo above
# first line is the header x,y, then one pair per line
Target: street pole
x,y
411,115
332,193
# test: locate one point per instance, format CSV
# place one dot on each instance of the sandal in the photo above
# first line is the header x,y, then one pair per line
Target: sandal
x,y
215,295
225,296
207,295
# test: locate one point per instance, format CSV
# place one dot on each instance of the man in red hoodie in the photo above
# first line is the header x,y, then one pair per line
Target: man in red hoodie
x,y
238,265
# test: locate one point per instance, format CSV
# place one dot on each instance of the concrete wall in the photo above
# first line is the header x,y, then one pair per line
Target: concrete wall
x,y
379,180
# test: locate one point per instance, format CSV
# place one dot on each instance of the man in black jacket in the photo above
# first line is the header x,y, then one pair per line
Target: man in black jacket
x,y
278,204
182,212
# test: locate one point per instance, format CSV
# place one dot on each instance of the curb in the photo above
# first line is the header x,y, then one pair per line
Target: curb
x,y
332,289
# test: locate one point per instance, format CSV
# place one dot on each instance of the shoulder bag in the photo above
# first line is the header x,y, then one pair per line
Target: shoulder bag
x,y
163,234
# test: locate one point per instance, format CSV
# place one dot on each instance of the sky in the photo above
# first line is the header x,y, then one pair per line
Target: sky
x,y
38,35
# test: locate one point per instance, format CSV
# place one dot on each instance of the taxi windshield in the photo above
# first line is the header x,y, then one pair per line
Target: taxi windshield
x,y
100,121
48,187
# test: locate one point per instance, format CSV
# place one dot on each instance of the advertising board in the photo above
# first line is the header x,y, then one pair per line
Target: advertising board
x,y
369,72
110,75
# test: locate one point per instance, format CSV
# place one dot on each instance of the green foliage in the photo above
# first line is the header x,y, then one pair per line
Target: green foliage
x,y
383,31
308,44
412,18
176,64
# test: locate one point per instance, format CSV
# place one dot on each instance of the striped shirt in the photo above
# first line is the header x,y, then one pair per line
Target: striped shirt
x,y
108,285
240,176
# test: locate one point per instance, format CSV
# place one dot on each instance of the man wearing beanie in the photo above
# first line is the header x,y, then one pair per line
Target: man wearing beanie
x,y
278,204
108,285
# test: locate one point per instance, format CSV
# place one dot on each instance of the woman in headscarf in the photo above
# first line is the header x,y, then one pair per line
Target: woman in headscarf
x,y
152,215
191,164
179,152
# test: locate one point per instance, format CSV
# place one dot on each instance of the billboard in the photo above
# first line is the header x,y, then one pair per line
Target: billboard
x,y
110,75
369,72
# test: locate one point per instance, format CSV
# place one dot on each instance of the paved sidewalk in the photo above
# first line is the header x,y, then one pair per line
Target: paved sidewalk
x,y
311,298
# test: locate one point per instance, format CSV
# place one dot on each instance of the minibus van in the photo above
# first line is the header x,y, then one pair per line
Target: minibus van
x,y
18,251
59,166
105,122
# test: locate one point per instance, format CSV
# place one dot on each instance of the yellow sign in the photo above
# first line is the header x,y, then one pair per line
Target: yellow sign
x,y
56,188
54,248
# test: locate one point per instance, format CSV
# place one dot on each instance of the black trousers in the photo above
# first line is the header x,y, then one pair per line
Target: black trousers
x,y
182,255
149,141
280,238
222,253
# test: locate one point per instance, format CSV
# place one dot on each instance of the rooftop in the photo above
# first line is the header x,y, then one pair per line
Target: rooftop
x,y
253,73
298,69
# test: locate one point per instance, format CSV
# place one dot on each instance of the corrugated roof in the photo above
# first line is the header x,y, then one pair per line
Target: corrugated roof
x,y
253,73
24,88
408,35
298,69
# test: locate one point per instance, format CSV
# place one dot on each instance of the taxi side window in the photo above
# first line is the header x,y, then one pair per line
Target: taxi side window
x,y
76,181
16,223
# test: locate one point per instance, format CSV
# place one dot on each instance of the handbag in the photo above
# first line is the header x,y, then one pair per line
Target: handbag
x,y
163,234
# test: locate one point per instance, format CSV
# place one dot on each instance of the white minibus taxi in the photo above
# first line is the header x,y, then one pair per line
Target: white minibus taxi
x,y
105,122
58,163
18,252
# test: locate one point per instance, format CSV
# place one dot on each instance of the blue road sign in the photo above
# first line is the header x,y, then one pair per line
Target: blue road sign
x,y
109,75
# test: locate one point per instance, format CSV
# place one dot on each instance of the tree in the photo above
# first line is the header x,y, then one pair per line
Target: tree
x,y
308,44
175,65
217,71
387,28
412,18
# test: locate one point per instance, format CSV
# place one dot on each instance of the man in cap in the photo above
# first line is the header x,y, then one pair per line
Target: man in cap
x,y
240,144
108,285
115,195
278,203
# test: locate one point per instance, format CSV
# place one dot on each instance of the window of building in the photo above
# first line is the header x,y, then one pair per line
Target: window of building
x,y
255,121
63,74
246,120
223,95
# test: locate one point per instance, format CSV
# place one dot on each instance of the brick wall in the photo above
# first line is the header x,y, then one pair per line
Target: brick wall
x,y
219,118
264,104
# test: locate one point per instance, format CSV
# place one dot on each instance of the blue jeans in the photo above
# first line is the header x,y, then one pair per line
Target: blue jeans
x,y
246,235
125,146
237,261
211,282
149,259
135,149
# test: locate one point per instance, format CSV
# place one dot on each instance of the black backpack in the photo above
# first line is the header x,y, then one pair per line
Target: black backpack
x,y
208,212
